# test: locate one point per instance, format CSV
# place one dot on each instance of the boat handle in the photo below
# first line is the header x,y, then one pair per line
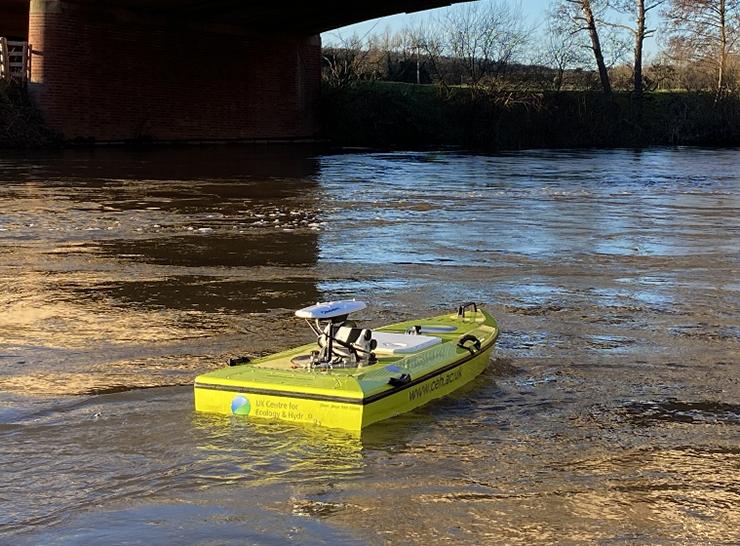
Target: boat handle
x,y
238,361
400,381
461,309
465,339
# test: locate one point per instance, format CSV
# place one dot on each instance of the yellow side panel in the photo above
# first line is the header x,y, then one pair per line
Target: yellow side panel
x,y
339,415
297,410
431,389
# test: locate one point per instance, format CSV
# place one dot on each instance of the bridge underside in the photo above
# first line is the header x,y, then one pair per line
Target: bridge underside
x,y
311,17
111,70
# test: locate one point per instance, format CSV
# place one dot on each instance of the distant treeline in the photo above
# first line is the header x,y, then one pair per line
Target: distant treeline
x,y
382,114
400,67
585,45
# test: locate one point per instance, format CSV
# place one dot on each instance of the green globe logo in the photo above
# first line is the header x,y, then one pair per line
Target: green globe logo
x,y
240,406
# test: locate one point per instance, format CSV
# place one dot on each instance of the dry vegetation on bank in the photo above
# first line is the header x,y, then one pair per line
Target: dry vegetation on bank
x,y
21,124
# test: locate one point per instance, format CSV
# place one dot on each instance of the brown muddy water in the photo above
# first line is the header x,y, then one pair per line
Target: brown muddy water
x,y
609,414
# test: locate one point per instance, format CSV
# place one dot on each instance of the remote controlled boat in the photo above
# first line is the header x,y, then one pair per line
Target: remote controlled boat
x,y
353,377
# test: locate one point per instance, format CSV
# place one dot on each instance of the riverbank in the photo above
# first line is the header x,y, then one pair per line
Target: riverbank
x,y
21,124
406,115
383,114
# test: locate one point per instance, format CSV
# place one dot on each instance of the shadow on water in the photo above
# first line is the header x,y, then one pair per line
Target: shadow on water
x,y
94,166
115,256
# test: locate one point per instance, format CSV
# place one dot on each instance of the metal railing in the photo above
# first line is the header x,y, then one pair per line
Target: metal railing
x,y
15,60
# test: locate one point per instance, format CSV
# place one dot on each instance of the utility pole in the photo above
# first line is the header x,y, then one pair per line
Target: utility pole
x,y
418,74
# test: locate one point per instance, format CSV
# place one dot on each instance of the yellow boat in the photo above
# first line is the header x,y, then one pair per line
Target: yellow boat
x,y
354,377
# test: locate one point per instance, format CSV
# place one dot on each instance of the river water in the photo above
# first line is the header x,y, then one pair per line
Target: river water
x,y
610,412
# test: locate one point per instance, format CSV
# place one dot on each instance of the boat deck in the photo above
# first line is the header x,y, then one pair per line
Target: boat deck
x,y
446,328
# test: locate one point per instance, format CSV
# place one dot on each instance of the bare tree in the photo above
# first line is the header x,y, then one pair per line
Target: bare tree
x,y
414,43
345,62
639,10
426,40
561,50
661,74
706,31
483,38
582,18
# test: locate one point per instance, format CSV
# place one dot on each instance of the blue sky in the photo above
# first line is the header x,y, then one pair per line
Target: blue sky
x,y
535,12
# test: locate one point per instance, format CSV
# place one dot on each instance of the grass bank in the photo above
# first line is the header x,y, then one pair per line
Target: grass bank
x,y
21,125
406,115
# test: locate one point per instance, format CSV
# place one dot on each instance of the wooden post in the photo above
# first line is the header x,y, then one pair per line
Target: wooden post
x,y
4,60
29,56
24,62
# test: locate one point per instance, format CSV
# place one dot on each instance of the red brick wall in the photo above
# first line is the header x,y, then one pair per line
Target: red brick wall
x,y
118,75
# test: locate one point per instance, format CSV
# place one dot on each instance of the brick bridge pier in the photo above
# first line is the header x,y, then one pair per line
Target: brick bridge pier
x,y
116,70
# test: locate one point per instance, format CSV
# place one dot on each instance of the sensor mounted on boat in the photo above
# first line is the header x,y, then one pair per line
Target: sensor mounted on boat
x,y
331,309
342,343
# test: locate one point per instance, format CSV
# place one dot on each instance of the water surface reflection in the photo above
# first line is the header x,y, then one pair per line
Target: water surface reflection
x,y
113,258
609,413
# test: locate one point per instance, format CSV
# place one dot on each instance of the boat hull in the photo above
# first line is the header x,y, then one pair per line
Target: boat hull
x,y
340,413
351,400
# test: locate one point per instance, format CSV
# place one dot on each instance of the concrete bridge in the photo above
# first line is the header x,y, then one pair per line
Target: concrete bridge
x,y
112,70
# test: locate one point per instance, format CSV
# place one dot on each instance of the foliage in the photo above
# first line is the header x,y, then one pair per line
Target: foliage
x,y
419,116
20,122
706,33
